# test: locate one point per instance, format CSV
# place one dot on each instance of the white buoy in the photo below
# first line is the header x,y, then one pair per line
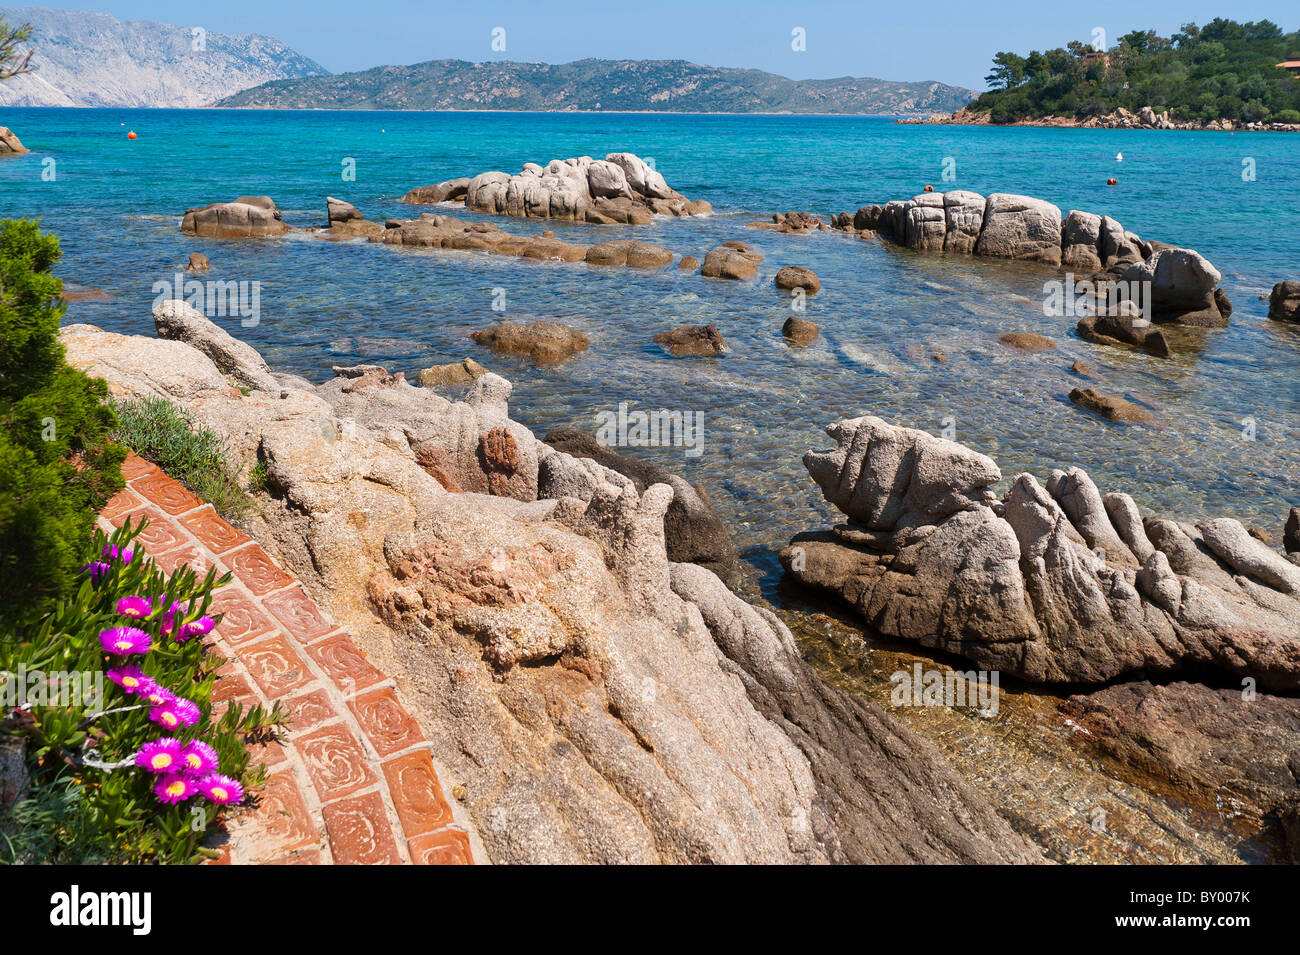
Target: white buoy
x,y
1119,157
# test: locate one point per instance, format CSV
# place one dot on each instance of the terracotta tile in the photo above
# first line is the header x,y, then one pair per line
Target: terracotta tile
x,y
299,614
270,752
386,723
242,619
445,847
167,493
343,663
335,761
223,857
160,536
416,793
256,570
190,554
301,857
120,503
233,688
276,666
310,710
212,530
281,822
360,833
137,467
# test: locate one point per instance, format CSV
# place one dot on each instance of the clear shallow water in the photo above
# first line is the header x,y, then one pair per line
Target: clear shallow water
x,y
883,313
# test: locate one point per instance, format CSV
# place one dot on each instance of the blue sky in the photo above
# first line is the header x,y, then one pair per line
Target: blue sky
x,y
939,39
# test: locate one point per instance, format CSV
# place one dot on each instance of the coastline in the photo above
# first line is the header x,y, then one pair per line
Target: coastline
x,y
1145,119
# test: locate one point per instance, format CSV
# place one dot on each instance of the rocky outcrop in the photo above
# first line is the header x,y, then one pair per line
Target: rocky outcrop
x,y
794,223
790,277
588,700
1284,301
731,261
619,188
10,144
1120,118
543,343
1183,285
693,532
246,217
1052,582
692,340
432,231
181,322
631,252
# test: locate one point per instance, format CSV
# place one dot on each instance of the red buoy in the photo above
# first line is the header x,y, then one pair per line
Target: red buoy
x,y
131,135
929,189
1112,182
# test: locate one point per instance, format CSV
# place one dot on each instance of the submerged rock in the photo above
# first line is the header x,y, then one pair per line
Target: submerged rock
x,y
544,343
1124,329
1110,406
799,331
687,340
729,262
1026,341
638,255
1052,583
797,276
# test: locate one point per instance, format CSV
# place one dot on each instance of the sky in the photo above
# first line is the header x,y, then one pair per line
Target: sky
x,y
943,40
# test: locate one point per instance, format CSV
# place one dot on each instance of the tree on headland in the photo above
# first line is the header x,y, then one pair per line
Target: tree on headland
x,y
1223,70
13,59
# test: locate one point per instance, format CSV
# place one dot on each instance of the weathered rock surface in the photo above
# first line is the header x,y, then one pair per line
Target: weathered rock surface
x,y
1026,341
692,340
455,373
790,223
432,231
447,191
1020,227
1124,329
631,252
10,144
619,188
1110,406
797,276
589,710
1182,287
693,532
337,210
543,343
727,262
198,263
246,217
178,321
1284,301
1051,583
1291,533
799,331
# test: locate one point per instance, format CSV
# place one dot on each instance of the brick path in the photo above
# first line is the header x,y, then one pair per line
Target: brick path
x,y
353,780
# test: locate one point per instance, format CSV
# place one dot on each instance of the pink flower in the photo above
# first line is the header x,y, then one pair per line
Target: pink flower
x,y
197,628
157,695
176,713
198,758
160,756
113,552
123,641
174,788
96,570
221,789
132,679
135,607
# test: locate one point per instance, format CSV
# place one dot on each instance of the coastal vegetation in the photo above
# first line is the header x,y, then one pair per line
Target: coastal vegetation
x,y
1223,70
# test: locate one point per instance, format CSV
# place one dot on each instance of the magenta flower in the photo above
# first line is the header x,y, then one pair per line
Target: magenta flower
x,y
156,695
198,758
175,714
174,788
125,640
96,570
221,789
160,756
113,552
136,607
197,628
131,679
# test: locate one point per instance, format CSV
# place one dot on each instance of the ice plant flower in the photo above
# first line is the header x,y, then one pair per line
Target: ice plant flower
x,y
160,756
131,679
196,628
135,607
175,714
97,569
123,641
113,552
156,695
221,789
198,758
174,788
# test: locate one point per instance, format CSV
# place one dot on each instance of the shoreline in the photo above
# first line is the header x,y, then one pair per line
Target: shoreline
x,y
1145,119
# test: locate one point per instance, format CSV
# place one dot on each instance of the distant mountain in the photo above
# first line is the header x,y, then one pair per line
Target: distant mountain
x,y
92,59
597,85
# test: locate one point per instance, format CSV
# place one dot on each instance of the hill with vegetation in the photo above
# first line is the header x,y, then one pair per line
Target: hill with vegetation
x,y
598,85
1222,71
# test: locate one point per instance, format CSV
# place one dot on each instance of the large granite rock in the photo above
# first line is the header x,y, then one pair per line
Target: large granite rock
x,y
587,700
1081,241
10,144
543,343
1182,287
447,191
619,188
1052,583
727,262
1020,227
181,322
1284,301
246,217
963,214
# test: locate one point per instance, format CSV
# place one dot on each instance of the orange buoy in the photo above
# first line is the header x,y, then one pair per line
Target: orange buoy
x,y
929,189
1112,182
131,135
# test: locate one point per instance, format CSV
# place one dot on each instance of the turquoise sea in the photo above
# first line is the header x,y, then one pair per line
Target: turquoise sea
x,y
883,312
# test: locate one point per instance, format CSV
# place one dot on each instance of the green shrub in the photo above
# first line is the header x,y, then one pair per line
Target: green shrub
x,y
118,809
57,464
167,435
